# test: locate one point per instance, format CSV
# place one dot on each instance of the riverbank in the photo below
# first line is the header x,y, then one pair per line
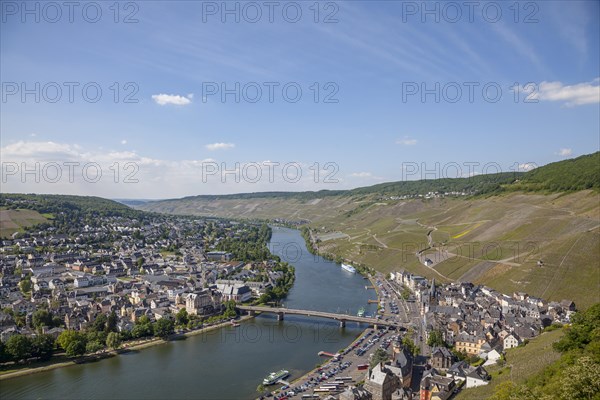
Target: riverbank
x,y
128,347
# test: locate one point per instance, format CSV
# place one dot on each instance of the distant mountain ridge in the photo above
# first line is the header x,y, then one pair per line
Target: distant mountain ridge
x,y
575,174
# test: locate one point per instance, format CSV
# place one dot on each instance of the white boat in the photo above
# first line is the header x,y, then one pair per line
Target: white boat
x,y
348,268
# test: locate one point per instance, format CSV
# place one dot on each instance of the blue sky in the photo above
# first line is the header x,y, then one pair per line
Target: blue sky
x,y
372,57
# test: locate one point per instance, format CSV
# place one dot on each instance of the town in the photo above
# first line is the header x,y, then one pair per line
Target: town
x,y
115,277
99,278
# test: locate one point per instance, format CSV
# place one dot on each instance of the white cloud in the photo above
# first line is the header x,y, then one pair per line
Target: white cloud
x,y
129,174
565,152
123,141
219,146
361,175
527,166
164,99
406,141
572,95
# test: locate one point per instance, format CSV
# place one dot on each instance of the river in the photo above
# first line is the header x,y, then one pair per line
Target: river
x,y
228,363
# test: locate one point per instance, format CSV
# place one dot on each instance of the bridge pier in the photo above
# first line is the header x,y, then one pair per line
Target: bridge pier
x,y
279,316
342,323
375,327
252,313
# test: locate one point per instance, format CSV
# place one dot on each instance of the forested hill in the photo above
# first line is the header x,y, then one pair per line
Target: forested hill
x,y
55,204
564,176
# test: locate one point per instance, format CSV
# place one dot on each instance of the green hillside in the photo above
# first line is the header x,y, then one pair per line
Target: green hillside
x,y
496,237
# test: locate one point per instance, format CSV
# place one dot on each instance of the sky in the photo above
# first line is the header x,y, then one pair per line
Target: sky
x,y
157,99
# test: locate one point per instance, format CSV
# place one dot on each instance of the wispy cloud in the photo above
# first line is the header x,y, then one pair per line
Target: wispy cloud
x,y
565,152
219,146
573,95
123,141
174,99
361,175
406,141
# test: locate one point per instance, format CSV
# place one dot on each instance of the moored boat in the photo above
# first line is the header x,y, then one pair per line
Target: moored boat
x,y
273,377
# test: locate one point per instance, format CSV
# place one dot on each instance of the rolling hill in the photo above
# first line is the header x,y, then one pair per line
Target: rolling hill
x,y
537,232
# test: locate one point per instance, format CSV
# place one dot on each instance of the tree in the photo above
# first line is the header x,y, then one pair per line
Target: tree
x,y
230,309
581,381
163,328
43,346
182,317
93,346
25,286
111,322
100,323
19,347
410,345
113,340
73,342
76,348
41,318
380,355
4,355
436,339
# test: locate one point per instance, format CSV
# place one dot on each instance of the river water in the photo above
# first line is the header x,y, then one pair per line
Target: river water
x,y
227,363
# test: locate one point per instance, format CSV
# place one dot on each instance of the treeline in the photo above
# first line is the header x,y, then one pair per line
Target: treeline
x,y
576,375
579,173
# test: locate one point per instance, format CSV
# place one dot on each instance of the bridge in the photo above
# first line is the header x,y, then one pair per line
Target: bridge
x,y
343,318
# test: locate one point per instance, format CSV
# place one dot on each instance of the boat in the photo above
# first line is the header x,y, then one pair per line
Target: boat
x,y
361,312
348,268
273,377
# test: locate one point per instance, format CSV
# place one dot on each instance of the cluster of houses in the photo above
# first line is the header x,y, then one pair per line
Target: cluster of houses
x,y
122,266
476,321
431,195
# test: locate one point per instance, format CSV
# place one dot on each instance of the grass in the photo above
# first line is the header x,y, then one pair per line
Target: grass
x,y
526,362
12,221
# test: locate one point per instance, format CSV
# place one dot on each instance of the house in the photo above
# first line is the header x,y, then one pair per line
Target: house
x,y
511,341
202,303
470,344
237,293
436,387
477,377
492,357
219,256
381,382
441,358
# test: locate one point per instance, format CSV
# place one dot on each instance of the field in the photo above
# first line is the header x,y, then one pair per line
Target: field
x,y
12,221
542,244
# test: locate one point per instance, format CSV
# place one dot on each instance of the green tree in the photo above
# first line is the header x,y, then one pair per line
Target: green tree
x,y
19,347
25,285
4,355
93,346
410,345
100,323
182,317
76,348
41,318
581,380
43,346
111,322
163,328
436,339
380,355
69,337
113,340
